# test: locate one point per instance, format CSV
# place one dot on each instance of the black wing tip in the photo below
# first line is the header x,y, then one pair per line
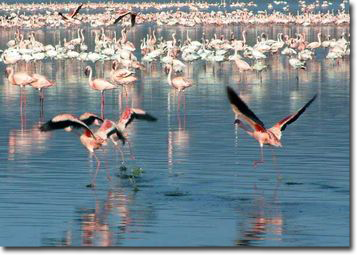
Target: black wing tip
x,y
311,100
151,118
44,127
235,100
231,93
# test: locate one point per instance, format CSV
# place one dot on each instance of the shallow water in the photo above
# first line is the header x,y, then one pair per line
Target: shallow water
x,y
199,186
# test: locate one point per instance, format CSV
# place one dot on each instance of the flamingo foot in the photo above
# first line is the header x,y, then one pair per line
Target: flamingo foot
x,y
91,185
256,162
108,177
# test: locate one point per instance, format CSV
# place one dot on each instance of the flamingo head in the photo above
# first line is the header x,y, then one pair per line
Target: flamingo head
x,y
8,71
87,70
167,68
239,123
114,65
98,122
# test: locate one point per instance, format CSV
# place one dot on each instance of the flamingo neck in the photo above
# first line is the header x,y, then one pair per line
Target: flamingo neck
x,y
82,36
90,78
11,76
169,75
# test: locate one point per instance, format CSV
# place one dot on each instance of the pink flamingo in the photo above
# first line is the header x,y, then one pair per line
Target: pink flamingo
x,y
72,14
123,13
90,140
40,83
122,77
20,79
316,44
179,83
99,85
264,136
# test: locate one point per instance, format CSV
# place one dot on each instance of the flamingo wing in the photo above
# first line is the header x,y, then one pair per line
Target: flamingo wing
x,y
140,114
108,128
76,11
62,121
133,17
135,113
120,17
291,118
63,16
118,134
241,109
89,118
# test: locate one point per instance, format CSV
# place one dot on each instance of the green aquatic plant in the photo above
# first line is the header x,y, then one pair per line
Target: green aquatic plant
x,y
135,173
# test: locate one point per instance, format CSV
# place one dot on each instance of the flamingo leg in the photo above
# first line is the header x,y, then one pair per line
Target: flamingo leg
x,y
102,104
108,176
120,101
22,122
178,107
93,181
297,77
121,154
261,160
184,96
131,151
126,96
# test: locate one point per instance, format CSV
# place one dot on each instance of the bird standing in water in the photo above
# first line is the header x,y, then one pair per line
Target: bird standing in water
x,y
271,136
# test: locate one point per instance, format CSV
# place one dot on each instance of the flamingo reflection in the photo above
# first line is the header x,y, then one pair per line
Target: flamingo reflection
x,y
266,221
25,142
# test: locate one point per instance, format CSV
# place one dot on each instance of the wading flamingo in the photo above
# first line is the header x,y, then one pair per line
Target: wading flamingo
x,y
99,85
271,136
20,79
40,83
179,83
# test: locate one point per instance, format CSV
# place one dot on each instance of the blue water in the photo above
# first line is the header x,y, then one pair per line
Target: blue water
x,y
199,186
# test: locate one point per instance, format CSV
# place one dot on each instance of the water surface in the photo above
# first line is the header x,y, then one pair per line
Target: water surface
x,y
199,186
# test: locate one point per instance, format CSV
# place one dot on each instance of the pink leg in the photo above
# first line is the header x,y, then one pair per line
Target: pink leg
x,y
120,101
131,151
121,154
126,96
102,104
93,182
178,107
184,96
107,171
256,162
21,109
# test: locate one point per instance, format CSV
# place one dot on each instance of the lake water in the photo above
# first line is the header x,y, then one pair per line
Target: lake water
x,y
199,186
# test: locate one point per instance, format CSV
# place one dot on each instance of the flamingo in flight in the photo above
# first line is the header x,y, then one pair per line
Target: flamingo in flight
x,y
99,85
72,14
90,140
123,14
271,136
